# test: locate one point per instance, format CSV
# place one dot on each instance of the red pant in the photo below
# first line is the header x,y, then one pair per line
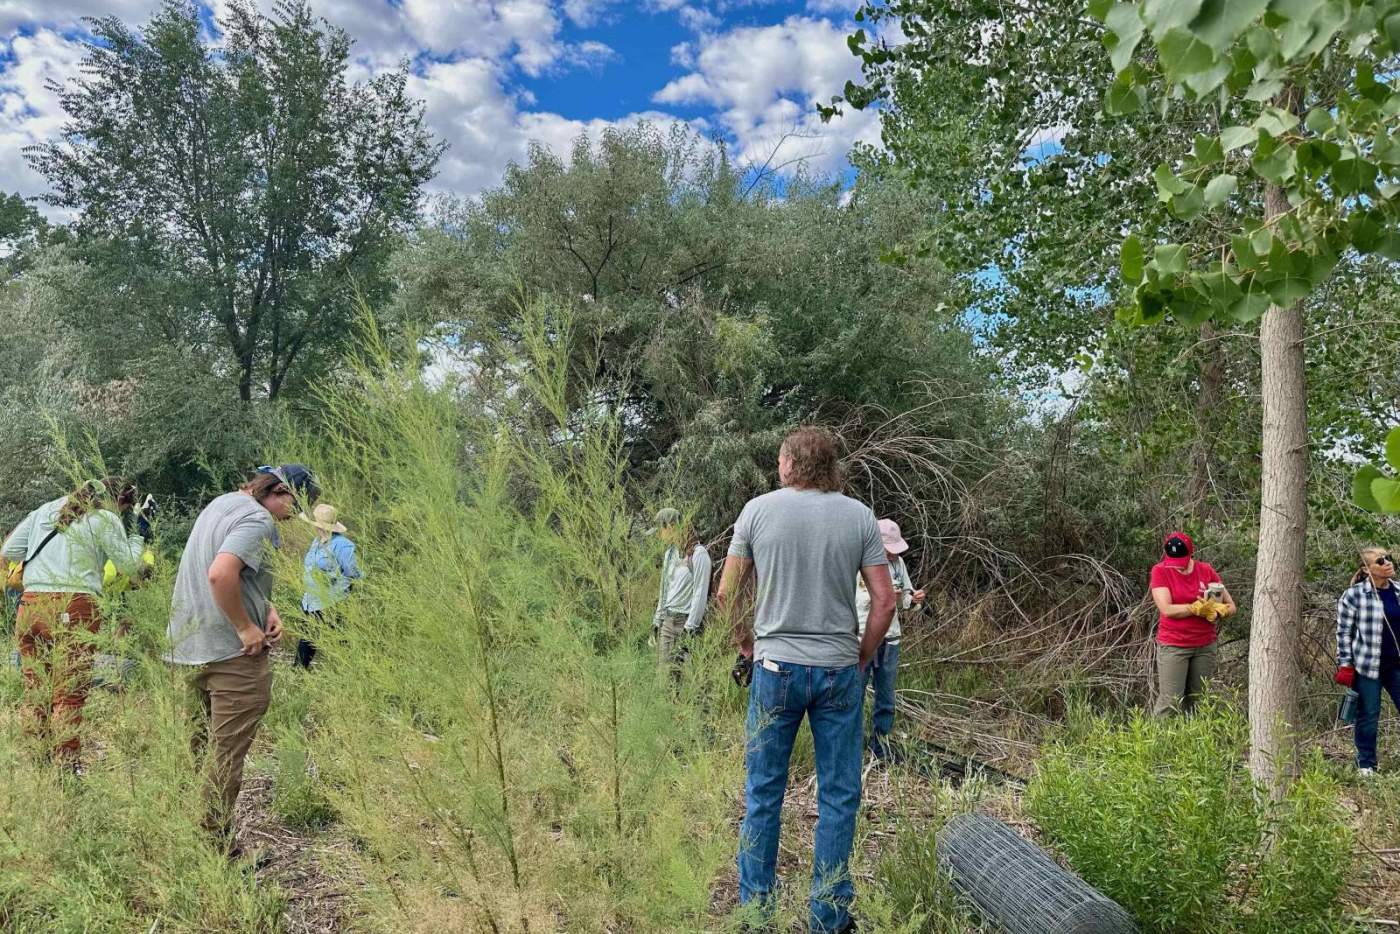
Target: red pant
x,y
55,643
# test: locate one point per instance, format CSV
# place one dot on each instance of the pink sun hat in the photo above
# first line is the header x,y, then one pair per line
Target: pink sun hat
x,y
889,534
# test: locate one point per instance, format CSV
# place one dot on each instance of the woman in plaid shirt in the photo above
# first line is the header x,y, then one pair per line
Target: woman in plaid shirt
x,y
1368,652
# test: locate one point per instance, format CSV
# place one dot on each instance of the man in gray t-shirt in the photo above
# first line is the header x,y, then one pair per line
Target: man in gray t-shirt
x,y
802,546
223,624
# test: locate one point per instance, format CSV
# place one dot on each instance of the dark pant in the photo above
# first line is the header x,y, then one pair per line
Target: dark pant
x,y
882,674
306,649
56,646
1368,712
830,699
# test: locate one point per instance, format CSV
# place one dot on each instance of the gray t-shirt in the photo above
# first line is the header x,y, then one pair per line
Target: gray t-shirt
x,y
807,546
199,632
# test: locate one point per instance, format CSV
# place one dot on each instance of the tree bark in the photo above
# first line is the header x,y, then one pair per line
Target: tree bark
x,y
1283,521
1208,396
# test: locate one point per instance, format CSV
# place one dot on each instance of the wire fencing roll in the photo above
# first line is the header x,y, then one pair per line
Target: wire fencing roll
x,y
1019,889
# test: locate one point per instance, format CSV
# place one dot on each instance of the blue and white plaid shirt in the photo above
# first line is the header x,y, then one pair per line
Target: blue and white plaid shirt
x,y
1360,616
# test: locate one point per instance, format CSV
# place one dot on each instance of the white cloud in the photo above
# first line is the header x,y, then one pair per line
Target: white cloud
x,y
31,13
766,82
29,110
840,7
468,105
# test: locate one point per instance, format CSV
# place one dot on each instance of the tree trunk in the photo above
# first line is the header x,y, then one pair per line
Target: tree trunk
x,y
1283,520
1208,396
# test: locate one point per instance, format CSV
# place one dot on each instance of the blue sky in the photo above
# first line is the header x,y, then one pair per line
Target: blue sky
x,y
498,74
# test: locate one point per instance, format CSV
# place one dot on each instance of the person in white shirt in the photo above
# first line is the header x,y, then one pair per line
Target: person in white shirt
x,y
684,591
884,665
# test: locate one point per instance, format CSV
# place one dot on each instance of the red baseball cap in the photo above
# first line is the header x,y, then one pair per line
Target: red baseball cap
x,y
1177,549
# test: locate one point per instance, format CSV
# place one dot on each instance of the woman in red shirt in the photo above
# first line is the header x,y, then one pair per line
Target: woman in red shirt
x,y
1185,640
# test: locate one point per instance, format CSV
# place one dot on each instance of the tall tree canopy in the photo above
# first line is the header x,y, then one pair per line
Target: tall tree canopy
x,y
260,184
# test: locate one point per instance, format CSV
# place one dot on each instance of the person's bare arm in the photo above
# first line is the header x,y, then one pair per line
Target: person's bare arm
x,y
1229,600
735,575
882,603
225,585
1162,596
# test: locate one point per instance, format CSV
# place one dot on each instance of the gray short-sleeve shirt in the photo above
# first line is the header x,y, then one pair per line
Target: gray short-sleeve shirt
x,y
199,632
807,546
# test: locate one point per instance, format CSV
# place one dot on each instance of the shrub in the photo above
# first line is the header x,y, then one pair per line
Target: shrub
x,y
1162,816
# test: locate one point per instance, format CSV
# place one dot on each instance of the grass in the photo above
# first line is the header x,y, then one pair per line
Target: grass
x,y
484,741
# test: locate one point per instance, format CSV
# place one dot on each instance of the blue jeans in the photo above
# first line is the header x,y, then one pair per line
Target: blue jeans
x,y
1368,712
778,700
882,671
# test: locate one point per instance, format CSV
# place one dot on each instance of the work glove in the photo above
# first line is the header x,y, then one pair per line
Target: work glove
x,y
742,672
1345,676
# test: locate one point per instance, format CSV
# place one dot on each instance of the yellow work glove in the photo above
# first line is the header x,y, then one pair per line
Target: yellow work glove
x,y
1200,607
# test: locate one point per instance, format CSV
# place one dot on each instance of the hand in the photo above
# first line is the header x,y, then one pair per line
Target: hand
x,y
1345,676
742,672
274,626
1199,606
253,639
917,596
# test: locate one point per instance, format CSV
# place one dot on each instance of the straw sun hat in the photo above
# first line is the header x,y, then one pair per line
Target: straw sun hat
x,y
323,517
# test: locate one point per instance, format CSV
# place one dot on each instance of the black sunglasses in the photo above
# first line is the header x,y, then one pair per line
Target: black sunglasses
x,y
1383,560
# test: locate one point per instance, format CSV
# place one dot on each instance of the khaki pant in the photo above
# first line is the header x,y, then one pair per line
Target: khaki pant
x,y
1180,674
230,697
668,643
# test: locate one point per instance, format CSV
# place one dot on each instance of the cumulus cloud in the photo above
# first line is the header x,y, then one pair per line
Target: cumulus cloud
x,y
29,109
468,106
766,81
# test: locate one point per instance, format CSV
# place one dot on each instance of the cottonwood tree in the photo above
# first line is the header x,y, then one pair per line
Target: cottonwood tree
x,y
1309,151
249,171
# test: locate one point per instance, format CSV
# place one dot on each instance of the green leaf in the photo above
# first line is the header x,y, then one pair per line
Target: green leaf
x,y
1387,494
1170,258
1392,448
1385,147
1361,488
1295,9
1220,22
1130,262
1367,230
1243,250
1219,190
1292,38
1276,122
1317,155
1273,160
1183,54
1207,150
1287,281
1124,30
1187,310
1167,182
1202,83
1253,301
1124,97
1392,32
1189,204
1319,121
1233,137
1353,176
1265,89
1097,9
1164,15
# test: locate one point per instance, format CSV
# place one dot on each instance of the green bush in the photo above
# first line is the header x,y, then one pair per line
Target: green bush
x,y
297,797
1162,816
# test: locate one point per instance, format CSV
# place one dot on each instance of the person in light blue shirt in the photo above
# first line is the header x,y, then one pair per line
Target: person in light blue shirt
x,y
327,572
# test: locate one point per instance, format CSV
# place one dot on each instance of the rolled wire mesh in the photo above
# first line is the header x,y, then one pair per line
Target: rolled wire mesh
x,y
1016,887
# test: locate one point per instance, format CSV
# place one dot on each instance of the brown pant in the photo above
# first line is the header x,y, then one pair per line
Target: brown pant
x,y
55,633
1181,673
231,697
